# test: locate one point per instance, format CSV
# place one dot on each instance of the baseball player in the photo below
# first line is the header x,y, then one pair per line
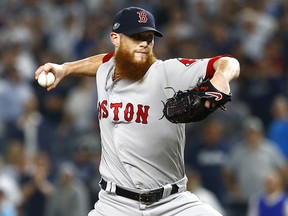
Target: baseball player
x,y
142,164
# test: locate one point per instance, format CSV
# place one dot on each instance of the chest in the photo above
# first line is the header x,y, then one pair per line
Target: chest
x,y
126,101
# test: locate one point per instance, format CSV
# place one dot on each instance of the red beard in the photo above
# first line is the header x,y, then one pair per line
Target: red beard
x,y
128,68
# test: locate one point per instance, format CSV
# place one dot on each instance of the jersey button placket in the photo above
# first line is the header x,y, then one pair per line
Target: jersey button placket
x,y
116,142
114,97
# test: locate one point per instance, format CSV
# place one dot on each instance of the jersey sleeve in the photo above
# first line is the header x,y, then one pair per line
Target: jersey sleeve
x,y
183,73
210,70
107,57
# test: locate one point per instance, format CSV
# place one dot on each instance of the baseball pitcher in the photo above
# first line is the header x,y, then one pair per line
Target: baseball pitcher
x,y
143,105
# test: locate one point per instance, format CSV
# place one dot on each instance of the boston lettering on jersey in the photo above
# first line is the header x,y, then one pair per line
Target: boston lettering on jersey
x,y
138,113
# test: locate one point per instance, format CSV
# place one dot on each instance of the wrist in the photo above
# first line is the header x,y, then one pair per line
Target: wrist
x,y
65,68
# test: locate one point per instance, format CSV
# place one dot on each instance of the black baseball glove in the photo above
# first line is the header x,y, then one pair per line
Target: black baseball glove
x,y
189,106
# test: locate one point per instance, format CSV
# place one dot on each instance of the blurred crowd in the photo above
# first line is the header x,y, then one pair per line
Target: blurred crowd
x,y
49,141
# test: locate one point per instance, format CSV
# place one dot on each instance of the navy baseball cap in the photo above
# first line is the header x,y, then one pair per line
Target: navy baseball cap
x,y
134,20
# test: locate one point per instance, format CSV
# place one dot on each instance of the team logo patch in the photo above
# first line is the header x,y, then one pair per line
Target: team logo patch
x,y
217,95
116,26
186,61
142,17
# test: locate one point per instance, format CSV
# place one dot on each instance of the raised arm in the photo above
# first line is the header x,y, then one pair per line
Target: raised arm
x,y
83,67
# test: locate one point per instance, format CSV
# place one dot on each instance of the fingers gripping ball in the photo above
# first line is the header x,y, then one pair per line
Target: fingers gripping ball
x,y
46,80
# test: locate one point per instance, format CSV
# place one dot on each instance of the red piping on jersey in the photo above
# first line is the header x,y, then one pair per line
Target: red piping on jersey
x,y
107,57
210,70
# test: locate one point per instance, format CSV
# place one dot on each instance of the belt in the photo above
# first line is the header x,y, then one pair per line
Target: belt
x,y
145,197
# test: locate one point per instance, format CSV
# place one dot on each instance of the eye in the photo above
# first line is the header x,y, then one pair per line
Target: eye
x,y
142,37
149,38
136,37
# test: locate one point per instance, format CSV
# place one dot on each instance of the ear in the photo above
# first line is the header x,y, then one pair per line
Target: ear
x,y
115,39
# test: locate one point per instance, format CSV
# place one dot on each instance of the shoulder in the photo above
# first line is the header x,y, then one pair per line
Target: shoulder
x,y
185,62
106,66
238,150
239,146
107,61
107,57
181,64
269,145
272,148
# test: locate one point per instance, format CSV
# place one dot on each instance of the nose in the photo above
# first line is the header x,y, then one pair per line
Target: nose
x,y
144,43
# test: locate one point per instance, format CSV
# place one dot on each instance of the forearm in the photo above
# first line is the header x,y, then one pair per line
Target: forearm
x,y
83,67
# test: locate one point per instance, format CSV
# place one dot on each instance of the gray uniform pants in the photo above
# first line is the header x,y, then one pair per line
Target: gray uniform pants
x,y
180,204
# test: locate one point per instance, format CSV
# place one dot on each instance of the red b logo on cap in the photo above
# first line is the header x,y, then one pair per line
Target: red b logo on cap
x,y
142,16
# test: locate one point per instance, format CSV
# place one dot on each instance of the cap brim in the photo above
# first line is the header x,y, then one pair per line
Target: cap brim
x,y
143,29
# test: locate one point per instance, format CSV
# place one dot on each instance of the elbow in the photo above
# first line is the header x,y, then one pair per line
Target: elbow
x,y
235,67
232,65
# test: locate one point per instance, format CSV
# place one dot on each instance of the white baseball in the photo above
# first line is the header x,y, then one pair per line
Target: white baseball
x,y
50,79
46,80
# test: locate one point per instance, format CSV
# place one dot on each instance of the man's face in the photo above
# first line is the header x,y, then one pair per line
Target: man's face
x,y
134,55
140,45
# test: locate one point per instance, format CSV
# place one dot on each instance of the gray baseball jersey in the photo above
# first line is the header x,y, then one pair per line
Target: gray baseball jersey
x,y
139,149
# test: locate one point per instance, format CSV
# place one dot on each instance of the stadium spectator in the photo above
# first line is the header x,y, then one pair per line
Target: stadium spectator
x,y
195,185
251,160
273,200
70,195
278,128
208,155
